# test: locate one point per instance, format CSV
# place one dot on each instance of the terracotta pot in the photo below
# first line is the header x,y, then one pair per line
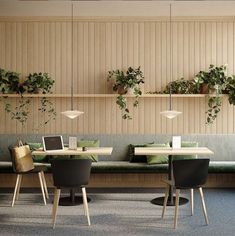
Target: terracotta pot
x,y
121,90
204,89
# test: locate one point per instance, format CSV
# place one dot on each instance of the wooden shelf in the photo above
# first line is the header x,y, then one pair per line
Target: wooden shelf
x,y
88,95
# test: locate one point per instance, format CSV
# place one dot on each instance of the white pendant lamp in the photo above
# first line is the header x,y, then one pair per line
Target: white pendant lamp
x,y
170,114
72,113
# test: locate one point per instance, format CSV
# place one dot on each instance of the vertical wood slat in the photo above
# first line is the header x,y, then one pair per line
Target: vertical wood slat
x,y
100,46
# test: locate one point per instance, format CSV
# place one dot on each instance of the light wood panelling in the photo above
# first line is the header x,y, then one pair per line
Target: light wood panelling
x,y
119,180
102,44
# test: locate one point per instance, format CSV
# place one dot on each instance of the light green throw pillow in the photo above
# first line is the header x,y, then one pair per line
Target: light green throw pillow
x,y
185,144
157,159
88,143
37,158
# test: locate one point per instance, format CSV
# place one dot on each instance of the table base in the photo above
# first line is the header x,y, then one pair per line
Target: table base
x,y
67,201
160,201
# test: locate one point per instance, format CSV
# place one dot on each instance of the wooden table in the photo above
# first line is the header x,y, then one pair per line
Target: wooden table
x,y
170,152
75,200
105,151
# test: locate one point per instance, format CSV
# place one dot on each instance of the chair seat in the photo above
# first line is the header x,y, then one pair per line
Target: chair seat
x,y
36,169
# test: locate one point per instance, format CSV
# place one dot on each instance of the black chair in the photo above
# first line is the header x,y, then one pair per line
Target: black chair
x,y
37,170
188,174
72,174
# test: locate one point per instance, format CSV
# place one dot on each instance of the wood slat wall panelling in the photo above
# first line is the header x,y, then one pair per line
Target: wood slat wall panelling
x,y
100,45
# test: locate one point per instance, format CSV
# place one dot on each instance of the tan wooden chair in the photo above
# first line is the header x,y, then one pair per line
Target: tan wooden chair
x,y
39,170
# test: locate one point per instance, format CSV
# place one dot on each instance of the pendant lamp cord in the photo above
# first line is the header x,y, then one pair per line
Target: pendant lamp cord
x,y
171,58
72,58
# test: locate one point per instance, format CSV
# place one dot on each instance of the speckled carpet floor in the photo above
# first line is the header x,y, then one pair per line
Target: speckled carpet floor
x,y
118,214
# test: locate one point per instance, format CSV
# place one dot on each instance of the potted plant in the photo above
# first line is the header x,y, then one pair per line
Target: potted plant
x,y
41,83
38,82
124,81
230,89
214,83
181,86
35,83
9,82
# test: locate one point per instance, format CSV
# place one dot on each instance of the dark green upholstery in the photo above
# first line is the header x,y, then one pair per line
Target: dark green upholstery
x,y
185,144
6,167
137,158
37,158
127,167
222,167
88,143
157,159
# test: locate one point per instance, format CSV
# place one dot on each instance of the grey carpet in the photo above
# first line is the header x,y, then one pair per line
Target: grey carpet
x,y
118,214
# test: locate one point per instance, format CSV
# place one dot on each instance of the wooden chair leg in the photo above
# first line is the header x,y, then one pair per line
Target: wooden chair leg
x,y
42,188
203,206
85,210
85,204
192,201
16,188
165,200
44,184
177,194
55,206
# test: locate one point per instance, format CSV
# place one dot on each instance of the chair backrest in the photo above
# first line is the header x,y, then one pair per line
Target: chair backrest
x,y
70,173
22,161
190,173
10,148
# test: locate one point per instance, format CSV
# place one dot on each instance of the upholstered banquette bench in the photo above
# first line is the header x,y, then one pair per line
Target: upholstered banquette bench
x,y
118,171
127,167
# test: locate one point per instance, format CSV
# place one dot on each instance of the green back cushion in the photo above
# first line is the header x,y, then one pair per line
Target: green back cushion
x,y
37,158
185,157
133,157
88,143
136,158
157,159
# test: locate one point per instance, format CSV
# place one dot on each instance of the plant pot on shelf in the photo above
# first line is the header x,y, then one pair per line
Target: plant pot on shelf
x,y
204,89
121,90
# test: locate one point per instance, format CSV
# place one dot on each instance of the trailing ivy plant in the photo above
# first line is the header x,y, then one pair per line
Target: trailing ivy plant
x,y
35,83
214,104
41,83
215,79
124,81
20,112
47,107
181,86
10,82
230,89
38,83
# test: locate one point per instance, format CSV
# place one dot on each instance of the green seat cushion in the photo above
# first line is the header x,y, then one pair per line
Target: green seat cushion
x,y
37,158
185,157
127,167
157,159
88,143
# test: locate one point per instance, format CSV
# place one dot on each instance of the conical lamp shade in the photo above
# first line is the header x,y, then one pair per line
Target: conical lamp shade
x,y
170,114
72,113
